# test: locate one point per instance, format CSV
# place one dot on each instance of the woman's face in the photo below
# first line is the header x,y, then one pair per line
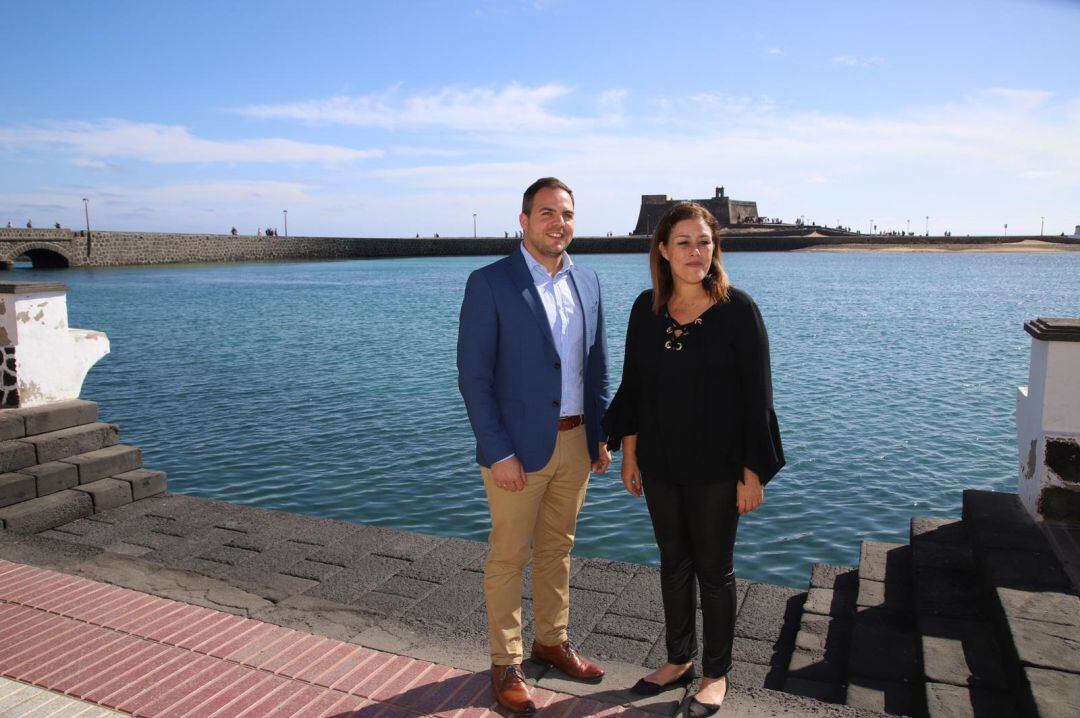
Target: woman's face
x,y
689,250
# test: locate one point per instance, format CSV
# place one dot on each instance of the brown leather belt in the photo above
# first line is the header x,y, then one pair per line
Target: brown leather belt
x,y
570,422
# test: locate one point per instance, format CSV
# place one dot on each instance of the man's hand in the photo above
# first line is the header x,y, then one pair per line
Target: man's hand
x,y
508,474
603,460
749,492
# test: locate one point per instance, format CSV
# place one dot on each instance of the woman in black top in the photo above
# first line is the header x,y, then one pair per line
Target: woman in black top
x,y
694,414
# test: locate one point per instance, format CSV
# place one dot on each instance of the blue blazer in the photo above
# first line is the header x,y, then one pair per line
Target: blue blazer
x,y
508,368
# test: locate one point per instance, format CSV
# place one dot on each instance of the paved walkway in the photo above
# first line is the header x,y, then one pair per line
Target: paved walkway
x,y
150,656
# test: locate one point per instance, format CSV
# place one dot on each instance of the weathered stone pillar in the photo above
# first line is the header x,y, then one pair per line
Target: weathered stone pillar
x,y
1048,422
43,360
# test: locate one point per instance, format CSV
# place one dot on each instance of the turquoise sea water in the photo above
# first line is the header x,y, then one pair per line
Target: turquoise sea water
x,y
329,388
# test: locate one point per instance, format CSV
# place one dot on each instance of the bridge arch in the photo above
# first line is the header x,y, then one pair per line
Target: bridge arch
x,y
44,255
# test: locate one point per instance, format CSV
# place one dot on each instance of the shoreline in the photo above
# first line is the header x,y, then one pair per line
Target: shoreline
x,y
1023,246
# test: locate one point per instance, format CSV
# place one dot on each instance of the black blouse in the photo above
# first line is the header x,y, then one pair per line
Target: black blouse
x,y
699,395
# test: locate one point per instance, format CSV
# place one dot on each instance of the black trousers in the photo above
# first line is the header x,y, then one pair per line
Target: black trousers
x,y
695,528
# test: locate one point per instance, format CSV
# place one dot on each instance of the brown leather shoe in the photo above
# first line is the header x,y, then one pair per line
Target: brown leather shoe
x,y
566,658
511,690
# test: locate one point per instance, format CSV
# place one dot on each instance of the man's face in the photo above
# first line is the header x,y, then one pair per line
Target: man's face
x,y
549,228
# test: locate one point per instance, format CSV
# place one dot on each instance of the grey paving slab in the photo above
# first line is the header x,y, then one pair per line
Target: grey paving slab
x,y
586,610
749,650
825,633
962,653
817,690
1055,694
603,647
814,665
443,560
769,612
105,462
53,476
451,602
948,701
602,576
638,629
755,675
348,585
58,415
641,598
890,697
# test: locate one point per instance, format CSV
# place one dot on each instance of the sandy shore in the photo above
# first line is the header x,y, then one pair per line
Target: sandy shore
x,y
1027,245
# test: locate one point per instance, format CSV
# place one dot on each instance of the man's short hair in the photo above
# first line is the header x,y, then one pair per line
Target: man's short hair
x,y
530,193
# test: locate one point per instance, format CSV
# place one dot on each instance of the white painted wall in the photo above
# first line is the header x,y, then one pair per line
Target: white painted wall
x,y
52,359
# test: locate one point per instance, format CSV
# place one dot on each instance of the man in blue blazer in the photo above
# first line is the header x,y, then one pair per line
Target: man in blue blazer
x,y
532,368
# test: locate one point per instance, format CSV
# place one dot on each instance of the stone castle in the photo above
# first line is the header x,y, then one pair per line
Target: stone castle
x,y
726,210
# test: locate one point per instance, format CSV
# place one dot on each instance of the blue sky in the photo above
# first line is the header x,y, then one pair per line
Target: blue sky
x,y
392,118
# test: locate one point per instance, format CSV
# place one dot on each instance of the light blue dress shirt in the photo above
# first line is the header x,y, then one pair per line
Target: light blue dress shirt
x,y
567,328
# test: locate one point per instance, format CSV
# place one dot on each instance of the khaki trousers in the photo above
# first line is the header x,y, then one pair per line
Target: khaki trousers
x,y
537,522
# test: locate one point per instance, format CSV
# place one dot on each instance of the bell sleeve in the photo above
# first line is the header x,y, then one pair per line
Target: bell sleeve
x,y
621,418
762,451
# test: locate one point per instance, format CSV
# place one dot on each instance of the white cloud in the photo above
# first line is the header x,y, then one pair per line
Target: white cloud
x,y
168,144
774,51
853,61
512,109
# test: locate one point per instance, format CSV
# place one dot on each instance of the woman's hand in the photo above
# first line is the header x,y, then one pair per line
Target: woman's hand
x,y
749,492
631,475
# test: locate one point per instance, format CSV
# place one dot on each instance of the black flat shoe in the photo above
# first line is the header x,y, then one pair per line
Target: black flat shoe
x,y
648,688
694,708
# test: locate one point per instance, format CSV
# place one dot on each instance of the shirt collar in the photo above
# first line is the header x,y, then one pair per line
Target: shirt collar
x,y
540,271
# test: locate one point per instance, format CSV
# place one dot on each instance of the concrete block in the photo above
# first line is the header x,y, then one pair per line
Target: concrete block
x,y
884,696
11,425
446,560
451,602
605,647
1025,569
144,482
948,701
887,596
1045,606
1055,694
1046,645
748,650
69,442
826,602
962,653
16,455
107,493
586,610
823,633
641,598
837,578
942,592
16,488
880,561
46,512
815,666
818,690
768,612
106,462
948,531
53,476
994,506
597,575
884,646
58,415
638,629
954,557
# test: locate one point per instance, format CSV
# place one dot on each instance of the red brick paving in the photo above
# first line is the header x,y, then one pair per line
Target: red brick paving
x,y
158,658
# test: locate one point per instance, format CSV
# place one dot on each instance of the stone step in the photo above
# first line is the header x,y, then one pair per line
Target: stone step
x,y
46,512
1032,604
818,665
102,463
57,445
17,423
144,482
884,666
962,665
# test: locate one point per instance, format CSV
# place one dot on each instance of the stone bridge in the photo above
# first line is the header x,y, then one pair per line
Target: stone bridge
x,y
45,248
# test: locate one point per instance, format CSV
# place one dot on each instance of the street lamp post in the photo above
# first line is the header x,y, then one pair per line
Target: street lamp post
x,y
1042,225
871,226
474,225
285,212
86,210
1006,229
927,225
909,226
